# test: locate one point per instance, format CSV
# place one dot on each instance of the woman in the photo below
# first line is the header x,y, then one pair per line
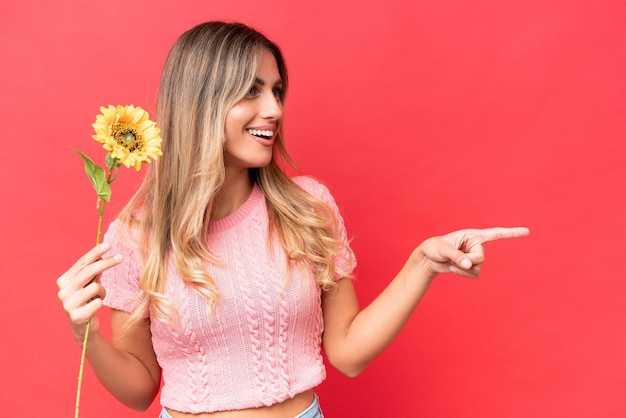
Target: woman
x,y
225,275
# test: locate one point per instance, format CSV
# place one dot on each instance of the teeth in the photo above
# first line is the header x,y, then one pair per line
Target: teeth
x,y
261,132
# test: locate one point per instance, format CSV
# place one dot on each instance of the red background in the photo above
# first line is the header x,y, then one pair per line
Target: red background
x,y
422,117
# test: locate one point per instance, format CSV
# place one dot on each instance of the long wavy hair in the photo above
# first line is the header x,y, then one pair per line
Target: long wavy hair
x,y
209,69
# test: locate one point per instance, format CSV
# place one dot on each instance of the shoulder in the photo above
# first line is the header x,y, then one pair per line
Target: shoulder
x,y
318,190
121,234
312,186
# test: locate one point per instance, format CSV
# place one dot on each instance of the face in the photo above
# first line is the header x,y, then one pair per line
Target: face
x,y
252,123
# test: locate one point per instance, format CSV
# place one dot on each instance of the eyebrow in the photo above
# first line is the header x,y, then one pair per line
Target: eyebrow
x,y
261,82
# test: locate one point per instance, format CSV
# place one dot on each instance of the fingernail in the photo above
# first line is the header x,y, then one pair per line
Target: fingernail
x,y
466,264
105,246
118,257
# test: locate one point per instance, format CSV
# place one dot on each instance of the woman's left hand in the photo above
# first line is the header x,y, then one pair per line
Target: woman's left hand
x,y
461,252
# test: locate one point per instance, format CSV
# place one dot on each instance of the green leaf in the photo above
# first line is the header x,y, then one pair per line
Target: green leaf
x,y
112,162
97,176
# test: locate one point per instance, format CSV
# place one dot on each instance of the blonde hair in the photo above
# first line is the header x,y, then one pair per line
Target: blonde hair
x,y
209,69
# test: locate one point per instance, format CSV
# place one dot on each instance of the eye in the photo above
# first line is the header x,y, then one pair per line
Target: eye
x,y
279,93
252,92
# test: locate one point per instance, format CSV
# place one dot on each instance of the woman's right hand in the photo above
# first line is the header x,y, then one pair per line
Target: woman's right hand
x,y
80,295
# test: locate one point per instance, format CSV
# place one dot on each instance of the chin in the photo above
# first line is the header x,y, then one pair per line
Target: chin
x,y
261,162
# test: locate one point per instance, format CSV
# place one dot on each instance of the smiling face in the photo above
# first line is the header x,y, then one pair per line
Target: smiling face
x,y
252,123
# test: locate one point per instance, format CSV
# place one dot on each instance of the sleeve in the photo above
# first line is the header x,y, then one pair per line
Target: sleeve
x,y
346,261
122,281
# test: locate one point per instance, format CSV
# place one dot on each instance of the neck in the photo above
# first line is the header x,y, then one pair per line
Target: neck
x,y
234,193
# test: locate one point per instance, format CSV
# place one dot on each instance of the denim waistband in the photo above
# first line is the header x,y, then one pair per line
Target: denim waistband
x,y
312,411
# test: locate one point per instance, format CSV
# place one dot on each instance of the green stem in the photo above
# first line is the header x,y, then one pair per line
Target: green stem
x,y
100,208
82,366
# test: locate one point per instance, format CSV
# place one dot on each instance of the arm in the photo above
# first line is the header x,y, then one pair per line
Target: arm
x,y
353,338
128,367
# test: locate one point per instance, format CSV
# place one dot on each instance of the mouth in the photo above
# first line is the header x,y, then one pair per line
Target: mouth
x,y
261,133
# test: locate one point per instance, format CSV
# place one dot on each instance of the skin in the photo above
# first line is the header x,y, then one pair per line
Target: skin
x,y
353,337
261,108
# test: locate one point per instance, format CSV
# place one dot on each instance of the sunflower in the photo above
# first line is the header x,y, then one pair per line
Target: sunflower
x,y
128,134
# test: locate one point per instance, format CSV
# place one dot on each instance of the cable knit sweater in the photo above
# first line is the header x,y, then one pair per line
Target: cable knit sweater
x,y
262,345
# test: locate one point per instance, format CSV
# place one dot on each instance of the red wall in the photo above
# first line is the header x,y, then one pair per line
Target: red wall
x,y
422,117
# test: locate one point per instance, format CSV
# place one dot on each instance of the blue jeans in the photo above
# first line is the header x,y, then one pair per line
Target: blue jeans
x,y
312,411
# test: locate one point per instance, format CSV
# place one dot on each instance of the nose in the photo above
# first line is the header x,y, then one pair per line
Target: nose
x,y
271,107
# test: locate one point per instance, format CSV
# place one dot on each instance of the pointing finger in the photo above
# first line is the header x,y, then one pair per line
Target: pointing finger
x,y
498,233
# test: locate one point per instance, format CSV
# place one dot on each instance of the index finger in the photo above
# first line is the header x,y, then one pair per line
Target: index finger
x,y
85,260
497,233
92,255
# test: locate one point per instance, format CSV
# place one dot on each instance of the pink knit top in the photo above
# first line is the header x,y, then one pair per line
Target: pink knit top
x,y
262,345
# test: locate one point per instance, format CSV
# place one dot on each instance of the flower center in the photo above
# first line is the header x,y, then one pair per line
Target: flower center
x,y
128,136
